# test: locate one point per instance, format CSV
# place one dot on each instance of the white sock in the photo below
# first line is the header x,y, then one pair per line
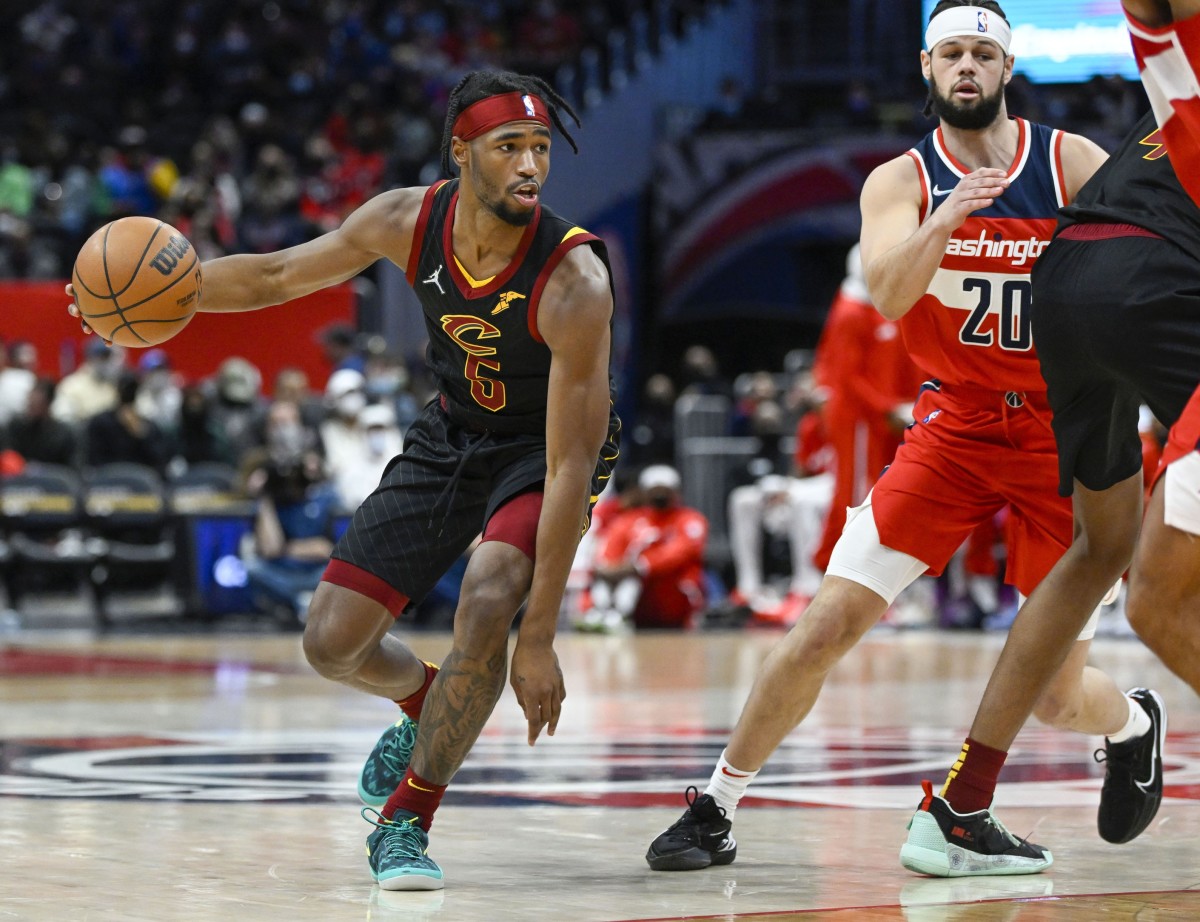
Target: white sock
x,y
1137,725
727,785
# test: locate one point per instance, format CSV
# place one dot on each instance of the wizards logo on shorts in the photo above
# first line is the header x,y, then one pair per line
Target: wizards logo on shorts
x,y
931,417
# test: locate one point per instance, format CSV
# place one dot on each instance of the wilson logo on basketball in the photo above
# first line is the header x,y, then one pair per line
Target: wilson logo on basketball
x,y
166,259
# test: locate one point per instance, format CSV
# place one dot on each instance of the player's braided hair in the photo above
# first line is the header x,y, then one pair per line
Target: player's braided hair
x,y
484,83
990,5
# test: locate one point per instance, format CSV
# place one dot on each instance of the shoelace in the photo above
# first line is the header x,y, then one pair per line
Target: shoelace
x,y
403,839
1018,841
1122,764
390,756
692,819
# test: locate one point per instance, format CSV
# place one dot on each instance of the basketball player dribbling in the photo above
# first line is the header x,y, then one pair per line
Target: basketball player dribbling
x,y
950,233
518,304
1117,322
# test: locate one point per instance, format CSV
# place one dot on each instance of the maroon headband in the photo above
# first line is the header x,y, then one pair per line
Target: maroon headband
x,y
494,111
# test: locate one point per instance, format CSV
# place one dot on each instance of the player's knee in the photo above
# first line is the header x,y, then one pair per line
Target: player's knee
x,y
822,637
1107,554
487,608
1149,604
1058,708
328,649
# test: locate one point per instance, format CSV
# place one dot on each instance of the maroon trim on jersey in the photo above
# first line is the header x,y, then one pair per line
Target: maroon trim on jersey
x,y
414,252
501,279
1018,156
925,200
1103,231
556,257
356,579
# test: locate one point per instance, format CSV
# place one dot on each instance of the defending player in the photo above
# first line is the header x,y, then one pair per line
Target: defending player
x,y
950,233
518,304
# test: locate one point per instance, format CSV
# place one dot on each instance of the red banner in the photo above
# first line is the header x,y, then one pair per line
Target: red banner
x,y
277,337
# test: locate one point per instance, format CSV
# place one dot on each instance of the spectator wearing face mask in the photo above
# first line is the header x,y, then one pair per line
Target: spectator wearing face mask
x,y
92,387
160,396
237,411
124,435
649,569
382,441
389,382
343,435
294,517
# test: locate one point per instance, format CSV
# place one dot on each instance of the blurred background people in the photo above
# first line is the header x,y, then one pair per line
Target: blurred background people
x,y
649,570
295,516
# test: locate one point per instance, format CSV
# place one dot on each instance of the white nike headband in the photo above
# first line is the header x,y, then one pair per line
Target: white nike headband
x,y
965,22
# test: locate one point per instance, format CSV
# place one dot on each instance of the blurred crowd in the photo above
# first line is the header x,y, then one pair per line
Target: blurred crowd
x,y
125,407
258,123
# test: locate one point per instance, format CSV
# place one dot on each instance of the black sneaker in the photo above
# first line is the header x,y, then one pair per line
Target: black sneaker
x,y
1133,775
700,838
948,844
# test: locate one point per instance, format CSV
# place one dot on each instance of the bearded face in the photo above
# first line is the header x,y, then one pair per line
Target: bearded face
x,y
965,111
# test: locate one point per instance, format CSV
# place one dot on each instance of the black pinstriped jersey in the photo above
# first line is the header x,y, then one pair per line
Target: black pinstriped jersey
x,y
1138,185
489,361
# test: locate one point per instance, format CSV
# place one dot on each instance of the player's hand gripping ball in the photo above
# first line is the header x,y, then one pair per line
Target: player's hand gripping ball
x,y
136,282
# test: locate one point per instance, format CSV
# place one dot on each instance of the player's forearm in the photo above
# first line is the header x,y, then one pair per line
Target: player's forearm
x,y
244,282
564,505
900,277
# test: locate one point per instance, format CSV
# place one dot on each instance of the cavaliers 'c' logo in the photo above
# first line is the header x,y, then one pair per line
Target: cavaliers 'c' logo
x,y
467,331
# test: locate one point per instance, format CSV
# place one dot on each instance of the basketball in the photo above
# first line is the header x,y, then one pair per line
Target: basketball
x,y
137,281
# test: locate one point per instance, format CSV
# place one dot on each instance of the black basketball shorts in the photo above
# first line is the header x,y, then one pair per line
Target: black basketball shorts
x,y
436,496
1116,323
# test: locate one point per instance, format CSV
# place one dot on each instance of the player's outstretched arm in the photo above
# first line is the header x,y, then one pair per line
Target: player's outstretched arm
x,y
382,227
573,319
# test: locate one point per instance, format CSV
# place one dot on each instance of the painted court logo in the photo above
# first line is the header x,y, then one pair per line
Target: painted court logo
x,y
846,768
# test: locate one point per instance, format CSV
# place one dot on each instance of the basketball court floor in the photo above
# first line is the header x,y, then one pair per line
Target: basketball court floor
x,y
212,776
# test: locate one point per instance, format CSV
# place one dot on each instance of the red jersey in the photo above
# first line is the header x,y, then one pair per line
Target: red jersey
x,y
972,326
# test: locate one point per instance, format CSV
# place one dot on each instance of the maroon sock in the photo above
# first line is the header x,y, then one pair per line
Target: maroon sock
x,y
416,795
413,704
971,784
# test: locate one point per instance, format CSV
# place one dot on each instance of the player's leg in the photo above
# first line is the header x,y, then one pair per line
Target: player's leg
x,y
346,639
863,579
462,696
1164,584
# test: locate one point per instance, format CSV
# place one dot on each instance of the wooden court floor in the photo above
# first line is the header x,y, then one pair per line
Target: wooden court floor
x,y
162,777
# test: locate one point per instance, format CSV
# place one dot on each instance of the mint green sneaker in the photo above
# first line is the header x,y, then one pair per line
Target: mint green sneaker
x,y
385,766
396,852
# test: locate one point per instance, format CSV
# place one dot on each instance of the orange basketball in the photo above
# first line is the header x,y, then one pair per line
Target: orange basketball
x,y
137,281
